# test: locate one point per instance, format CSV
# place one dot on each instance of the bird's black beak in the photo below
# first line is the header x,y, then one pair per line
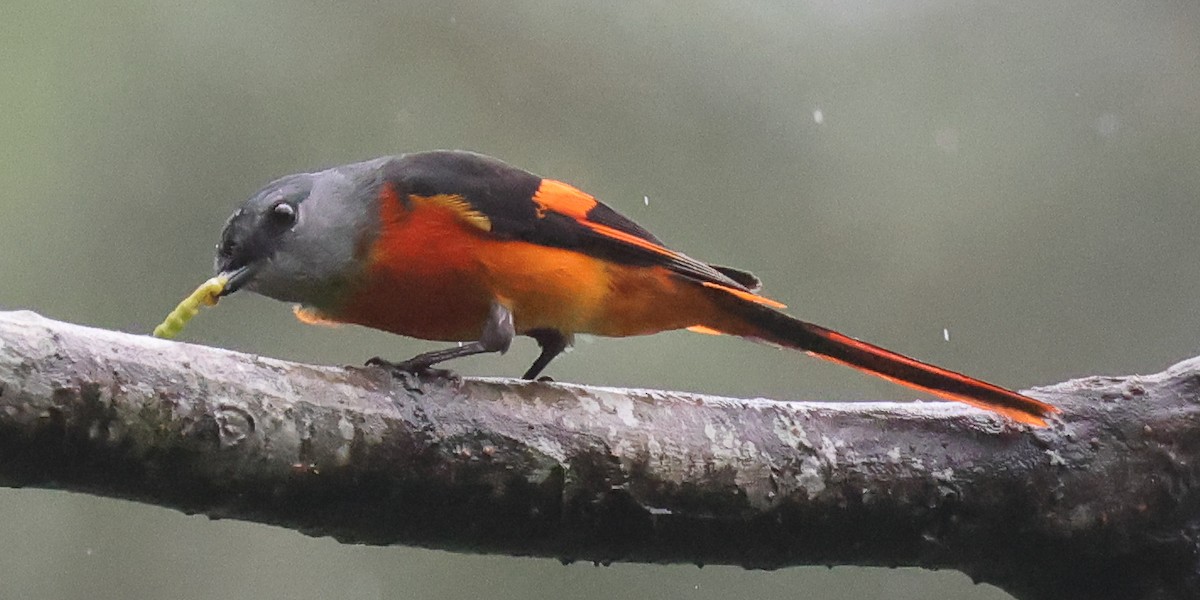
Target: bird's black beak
x,y
239,277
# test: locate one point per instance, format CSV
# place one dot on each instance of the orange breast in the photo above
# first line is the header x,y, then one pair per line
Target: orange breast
x,y
422,279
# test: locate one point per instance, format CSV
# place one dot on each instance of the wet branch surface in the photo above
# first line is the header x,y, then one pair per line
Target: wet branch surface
x,y
1103,504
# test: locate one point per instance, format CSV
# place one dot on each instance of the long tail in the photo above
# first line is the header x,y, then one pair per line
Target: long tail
x,y
749,319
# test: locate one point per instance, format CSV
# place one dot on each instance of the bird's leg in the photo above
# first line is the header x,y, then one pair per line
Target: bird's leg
x,y
553,342
497,336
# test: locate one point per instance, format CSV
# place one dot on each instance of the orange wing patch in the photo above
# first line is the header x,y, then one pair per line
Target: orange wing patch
x,y
629,238
566,199
456,204
563,198
755,298
705,330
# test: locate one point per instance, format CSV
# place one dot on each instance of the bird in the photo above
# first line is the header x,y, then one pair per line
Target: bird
x,y
457,246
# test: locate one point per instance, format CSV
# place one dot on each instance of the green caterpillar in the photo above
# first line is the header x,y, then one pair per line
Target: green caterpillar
x,y
207,294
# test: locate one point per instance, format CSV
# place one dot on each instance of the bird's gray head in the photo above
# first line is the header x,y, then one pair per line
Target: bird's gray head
x,y
301,237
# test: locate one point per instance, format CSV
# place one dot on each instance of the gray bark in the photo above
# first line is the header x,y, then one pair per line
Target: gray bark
x,y
1103,504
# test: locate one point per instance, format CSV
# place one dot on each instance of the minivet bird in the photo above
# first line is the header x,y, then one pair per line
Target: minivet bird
x,y
460,247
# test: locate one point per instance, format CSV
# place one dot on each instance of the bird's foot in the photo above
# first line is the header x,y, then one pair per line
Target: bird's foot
x,y
409,370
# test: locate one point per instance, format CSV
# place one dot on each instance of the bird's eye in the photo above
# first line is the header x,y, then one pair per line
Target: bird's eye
x,y
283,214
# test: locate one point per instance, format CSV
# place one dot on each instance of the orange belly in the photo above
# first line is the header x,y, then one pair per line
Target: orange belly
x,y
431,275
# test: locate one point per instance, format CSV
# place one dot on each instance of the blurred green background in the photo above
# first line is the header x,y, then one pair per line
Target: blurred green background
x,y
1021,174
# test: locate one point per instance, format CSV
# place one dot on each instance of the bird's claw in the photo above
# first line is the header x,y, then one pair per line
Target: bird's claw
x,y
412,372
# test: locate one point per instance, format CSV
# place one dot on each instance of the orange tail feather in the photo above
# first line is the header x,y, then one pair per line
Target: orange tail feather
x,y
760,322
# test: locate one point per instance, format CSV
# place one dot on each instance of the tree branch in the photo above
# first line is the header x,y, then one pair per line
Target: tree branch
x,y
1102,504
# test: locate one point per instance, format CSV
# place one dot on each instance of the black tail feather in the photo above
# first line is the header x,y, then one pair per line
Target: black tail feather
x,y
769,325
